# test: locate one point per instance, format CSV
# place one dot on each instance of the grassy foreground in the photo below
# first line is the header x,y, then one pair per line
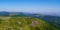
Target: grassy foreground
x,y
24,23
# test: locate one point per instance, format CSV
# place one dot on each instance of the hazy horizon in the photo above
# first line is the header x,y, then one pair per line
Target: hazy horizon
x,y
31,6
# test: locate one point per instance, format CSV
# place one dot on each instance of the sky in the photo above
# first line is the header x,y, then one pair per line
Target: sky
x,y
32,6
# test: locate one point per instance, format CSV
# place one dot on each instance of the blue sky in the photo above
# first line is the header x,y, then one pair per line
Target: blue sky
x,y
33,6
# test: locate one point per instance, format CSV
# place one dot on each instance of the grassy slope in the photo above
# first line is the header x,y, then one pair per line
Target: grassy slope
x,y
24,23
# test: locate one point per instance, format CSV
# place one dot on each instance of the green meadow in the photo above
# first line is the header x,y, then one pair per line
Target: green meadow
x,y
24,23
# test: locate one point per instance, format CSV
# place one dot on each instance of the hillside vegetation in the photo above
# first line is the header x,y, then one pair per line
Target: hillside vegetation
x,y
24,23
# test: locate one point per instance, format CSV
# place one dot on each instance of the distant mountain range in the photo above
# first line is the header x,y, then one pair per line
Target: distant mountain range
x,y
55,20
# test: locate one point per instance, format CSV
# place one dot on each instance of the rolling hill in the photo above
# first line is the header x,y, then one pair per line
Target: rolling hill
x,y
51,21
24,23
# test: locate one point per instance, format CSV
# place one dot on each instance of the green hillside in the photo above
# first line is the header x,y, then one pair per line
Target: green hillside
x,y
24,23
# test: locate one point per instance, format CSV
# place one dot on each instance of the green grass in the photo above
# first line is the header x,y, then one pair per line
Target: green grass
x,y
24,23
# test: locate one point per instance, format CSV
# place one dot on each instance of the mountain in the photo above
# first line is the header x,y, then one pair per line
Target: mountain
x,y
48,18
25,23
4,13
55,20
